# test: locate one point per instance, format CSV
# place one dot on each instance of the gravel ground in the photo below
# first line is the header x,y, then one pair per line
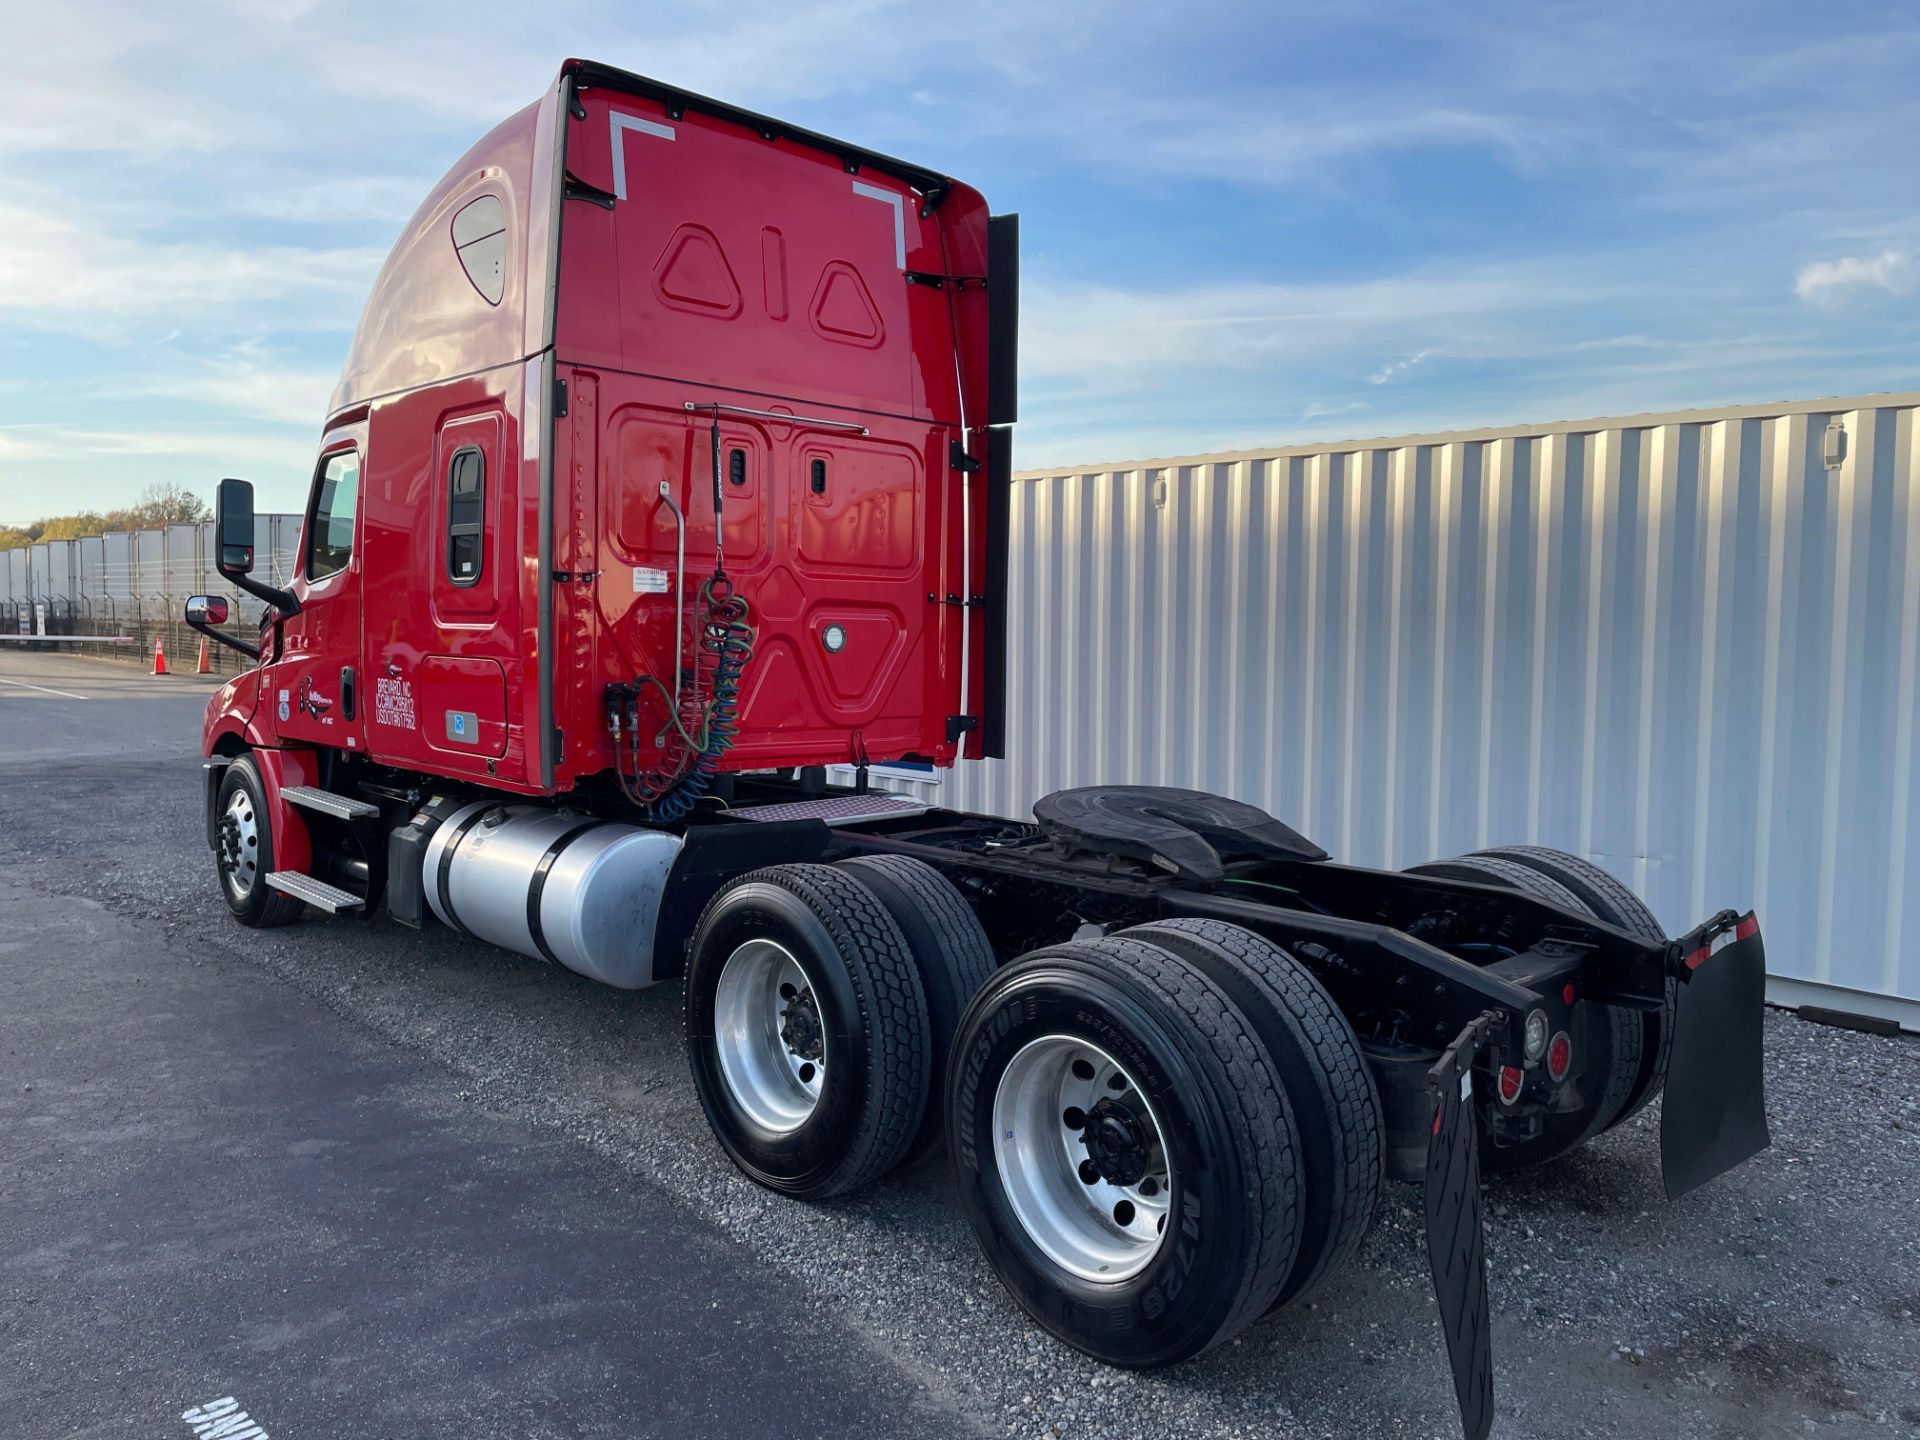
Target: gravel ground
x,y
1783,1299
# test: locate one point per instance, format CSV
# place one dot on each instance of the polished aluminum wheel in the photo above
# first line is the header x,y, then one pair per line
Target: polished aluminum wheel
x,y
771,1042
1082,1158
240,844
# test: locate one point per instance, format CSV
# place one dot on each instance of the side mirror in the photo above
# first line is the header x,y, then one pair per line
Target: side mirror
x,y
233,546
204,612
233,527
207,610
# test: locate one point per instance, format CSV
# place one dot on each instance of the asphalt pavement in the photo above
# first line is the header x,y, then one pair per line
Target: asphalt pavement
x,y
366,1180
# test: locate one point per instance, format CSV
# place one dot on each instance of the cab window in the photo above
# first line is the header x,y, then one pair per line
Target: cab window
x,y
336,497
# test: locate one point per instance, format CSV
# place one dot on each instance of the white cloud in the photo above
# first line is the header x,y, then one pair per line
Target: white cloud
x,y
1104,338
1398,367
240,383
59,274
1834,282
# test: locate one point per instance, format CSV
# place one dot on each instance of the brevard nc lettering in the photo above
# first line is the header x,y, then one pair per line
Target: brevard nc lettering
x,y
393,702
223,1419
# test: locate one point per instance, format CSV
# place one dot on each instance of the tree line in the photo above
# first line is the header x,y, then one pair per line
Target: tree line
x,y
161,503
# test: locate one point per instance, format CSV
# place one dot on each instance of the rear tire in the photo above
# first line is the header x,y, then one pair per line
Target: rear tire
x,y
1191,1129
806,1030
950,950
243,858
1328,1081
1613,902
1608,1037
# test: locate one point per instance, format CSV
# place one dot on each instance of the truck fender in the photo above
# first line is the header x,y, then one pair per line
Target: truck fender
x,y
279,768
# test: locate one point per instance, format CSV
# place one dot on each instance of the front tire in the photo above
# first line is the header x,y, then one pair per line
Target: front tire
x,y
243,856
807,1030
1125,1151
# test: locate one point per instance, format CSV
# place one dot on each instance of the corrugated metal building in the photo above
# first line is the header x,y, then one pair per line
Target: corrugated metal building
x,y
1683,645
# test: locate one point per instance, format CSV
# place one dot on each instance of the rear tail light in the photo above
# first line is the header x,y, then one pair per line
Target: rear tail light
x,y
1512,1078
1559,1057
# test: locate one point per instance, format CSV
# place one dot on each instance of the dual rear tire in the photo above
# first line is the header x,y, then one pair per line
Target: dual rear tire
x,y
1623,1052
1161,1136
821,1001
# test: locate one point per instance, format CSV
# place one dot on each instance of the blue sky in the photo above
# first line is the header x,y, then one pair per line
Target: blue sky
x,y
1243,223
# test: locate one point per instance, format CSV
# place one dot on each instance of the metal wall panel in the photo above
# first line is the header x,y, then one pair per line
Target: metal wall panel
x,y
1680,645
149,565
183,560
59,582
91,558
275,558
119,565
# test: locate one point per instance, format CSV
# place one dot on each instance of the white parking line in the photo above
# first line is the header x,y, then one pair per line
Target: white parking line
x,y
43,689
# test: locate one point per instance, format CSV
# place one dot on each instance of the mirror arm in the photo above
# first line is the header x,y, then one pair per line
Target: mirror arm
x,y
284,601
232,642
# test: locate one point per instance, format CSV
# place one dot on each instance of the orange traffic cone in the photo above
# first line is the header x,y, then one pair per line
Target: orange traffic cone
x,y
159,656
205,667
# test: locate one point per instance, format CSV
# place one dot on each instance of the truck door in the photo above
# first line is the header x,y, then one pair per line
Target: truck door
x,y
441,590
313,686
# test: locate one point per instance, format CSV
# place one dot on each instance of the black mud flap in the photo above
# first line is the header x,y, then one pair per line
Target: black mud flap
x,y
1456,1249
1714,1115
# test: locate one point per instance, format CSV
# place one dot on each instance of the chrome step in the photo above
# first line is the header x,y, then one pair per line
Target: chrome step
x,y
316,893
340,807
836,809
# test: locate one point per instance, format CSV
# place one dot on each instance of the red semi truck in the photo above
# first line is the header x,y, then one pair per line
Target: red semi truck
x,y
668,469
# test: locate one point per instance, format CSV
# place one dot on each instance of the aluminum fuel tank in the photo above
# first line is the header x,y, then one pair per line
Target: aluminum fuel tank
x,y
580,892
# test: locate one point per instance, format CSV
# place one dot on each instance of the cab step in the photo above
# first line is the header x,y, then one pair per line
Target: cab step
x,y
316,893
835,809
340,807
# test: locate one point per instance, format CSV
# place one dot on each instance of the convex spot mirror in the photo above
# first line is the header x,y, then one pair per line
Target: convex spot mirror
x,y
207,610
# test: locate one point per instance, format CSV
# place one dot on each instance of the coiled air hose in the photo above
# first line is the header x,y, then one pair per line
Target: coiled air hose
x,y
726,645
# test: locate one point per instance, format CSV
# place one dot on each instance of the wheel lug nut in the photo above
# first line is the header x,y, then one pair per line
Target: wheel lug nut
x,y
1075,1118
1089,1173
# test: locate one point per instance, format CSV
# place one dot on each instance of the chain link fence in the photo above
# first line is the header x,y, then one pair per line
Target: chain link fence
x,y
135,584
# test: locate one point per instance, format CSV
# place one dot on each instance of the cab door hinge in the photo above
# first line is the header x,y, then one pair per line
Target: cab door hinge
x,y
559,397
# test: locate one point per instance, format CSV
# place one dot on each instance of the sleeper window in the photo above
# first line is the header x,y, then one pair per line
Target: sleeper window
x,y
466,515
336,499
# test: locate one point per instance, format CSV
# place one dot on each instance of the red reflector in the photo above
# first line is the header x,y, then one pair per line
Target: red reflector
x,y
1699,957
1559,1056
1566,993
1511,1078
1747,928
1436,1119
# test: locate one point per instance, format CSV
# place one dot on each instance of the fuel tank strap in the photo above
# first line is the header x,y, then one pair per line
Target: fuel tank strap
x,y
538,884
446,867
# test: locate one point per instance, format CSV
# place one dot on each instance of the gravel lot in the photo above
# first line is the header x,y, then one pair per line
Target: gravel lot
x,y
1781,1300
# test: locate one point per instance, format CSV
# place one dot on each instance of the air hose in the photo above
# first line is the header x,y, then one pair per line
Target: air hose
x,y
670,792
705,731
